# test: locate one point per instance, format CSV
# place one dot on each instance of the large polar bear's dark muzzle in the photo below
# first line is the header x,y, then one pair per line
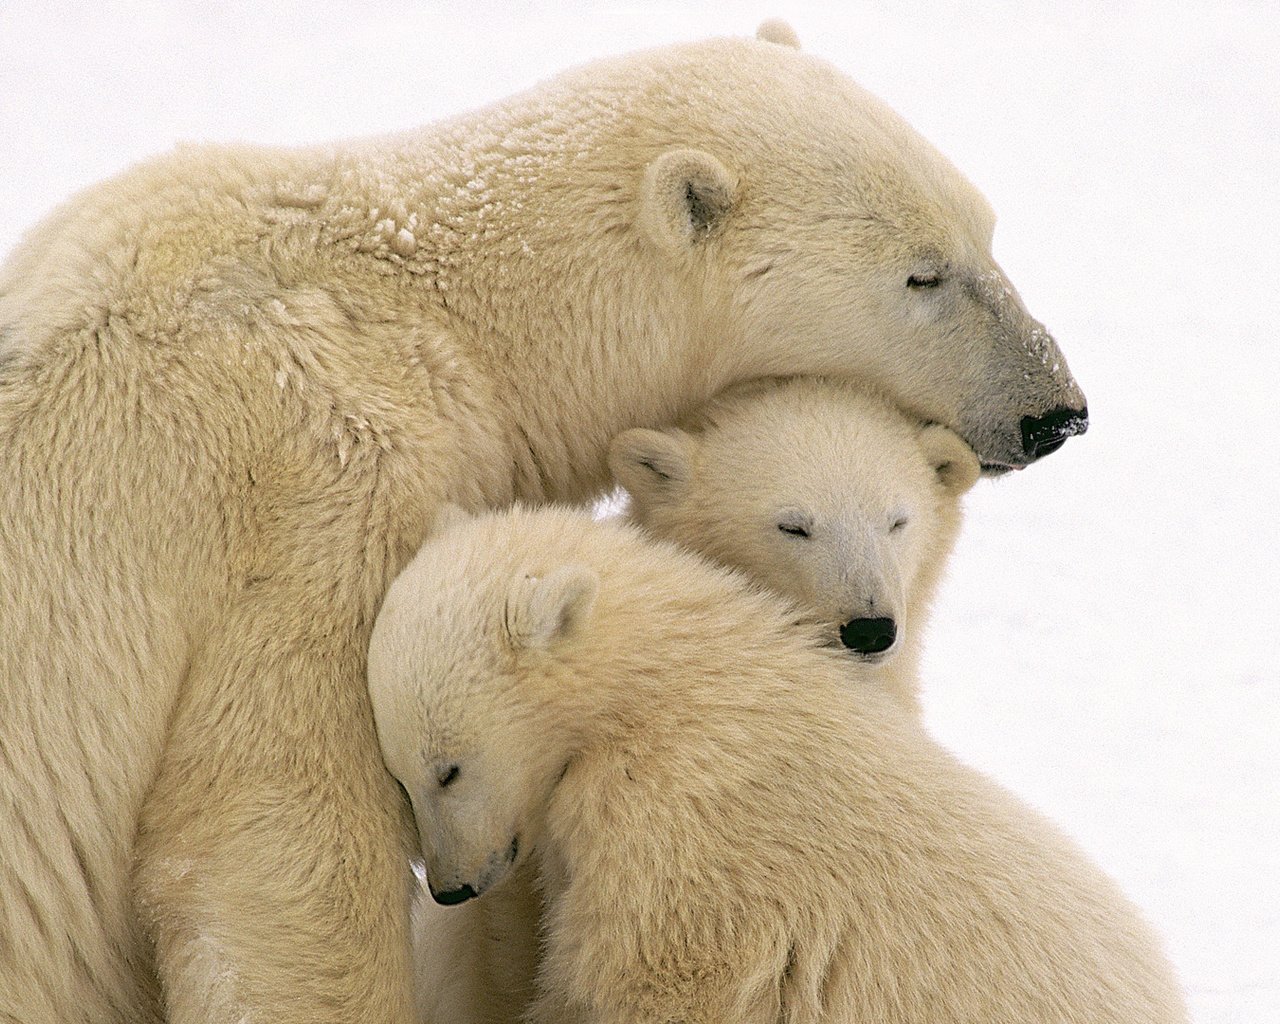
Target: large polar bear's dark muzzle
x,y
1043,435
1024,403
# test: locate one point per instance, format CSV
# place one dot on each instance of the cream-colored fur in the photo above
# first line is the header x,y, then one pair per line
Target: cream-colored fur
x,y
730,821
477,963
840,460
822,491
235,383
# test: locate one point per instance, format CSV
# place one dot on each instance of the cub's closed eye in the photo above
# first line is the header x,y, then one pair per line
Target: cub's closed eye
x,y
793,529
898,524
448,775
924,280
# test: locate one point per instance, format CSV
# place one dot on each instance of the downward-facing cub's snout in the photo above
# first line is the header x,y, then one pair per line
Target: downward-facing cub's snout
x,y
869,636
450,892
1042,435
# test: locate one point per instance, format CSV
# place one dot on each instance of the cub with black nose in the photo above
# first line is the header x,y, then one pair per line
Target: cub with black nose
x,y
719,819
822,491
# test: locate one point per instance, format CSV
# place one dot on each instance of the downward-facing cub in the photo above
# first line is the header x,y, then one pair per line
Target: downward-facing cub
x,y
721,830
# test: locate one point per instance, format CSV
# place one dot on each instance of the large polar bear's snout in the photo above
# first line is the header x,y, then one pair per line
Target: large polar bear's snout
x,y
1020,401
449,887
1035,437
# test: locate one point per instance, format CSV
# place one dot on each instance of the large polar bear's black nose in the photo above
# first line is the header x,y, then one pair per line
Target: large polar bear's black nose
x,y
452,896
868,636
1042,435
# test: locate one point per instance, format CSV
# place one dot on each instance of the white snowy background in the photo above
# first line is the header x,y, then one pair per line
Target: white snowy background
x,y
1107,641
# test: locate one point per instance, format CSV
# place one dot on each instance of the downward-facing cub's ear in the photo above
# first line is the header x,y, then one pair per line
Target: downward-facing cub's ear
x,y
775,30
651,464
953,460
686,196
543,610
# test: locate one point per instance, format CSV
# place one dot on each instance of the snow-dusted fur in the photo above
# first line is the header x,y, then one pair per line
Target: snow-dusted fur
x,y
823,491
235,384
729,822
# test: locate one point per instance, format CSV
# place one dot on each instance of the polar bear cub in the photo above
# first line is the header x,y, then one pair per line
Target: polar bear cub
x,y
822,491
719,832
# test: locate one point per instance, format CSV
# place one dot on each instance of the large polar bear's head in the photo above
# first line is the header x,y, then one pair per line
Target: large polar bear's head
x,y
816,232
823,492
459,642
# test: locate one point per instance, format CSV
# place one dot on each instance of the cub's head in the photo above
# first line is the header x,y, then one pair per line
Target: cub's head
x,y
828,495
460,651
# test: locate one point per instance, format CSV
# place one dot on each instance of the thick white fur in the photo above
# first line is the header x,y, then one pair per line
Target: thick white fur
x,y
729,823
878,493
236,382
840,458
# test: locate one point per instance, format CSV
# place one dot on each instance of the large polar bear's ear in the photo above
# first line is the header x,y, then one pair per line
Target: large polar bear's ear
x,y
651,464
687,195
775,30
541,611
953,460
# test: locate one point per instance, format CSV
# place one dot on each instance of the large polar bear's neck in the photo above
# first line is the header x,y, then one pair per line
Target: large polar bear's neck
x,y
519,223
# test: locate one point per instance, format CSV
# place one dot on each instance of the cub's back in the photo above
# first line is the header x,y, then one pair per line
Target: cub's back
x,y
769,796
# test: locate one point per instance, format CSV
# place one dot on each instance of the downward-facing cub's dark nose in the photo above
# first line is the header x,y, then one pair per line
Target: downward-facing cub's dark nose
x,y
452,896
868,636
1042,435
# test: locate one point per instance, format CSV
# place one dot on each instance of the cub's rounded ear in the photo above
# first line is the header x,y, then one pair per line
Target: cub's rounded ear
x,y
953,460
775,30
543,610
448,516
651,465
686,196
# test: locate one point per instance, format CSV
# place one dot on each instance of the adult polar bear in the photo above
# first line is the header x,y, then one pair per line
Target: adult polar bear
x,y
235,384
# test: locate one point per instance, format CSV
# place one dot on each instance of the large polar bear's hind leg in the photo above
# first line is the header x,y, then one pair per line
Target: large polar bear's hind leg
x,y
274,867
92,658
265,889
183,736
